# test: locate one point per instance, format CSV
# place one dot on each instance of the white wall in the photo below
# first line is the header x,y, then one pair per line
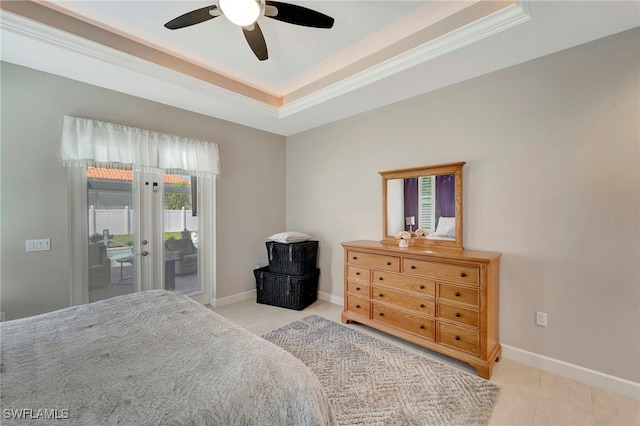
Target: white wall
x,y
552,181
34,184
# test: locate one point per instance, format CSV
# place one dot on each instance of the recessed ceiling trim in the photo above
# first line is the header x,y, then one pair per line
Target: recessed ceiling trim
x,y
555,26
89,49
510,15
472,25
47,14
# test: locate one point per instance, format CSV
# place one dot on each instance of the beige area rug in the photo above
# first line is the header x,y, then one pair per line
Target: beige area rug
x,y
372,382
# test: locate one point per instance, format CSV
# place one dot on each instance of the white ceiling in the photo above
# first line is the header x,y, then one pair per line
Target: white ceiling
x,y
377,53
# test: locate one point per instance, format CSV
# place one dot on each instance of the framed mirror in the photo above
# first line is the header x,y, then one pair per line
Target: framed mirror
x,y
426,198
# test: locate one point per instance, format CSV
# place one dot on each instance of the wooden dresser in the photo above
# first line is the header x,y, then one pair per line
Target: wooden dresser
x,y
445,300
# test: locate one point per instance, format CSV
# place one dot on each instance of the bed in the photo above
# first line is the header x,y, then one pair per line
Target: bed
x,y
155,357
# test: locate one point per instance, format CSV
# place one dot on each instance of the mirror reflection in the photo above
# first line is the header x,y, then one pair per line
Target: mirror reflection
x,y
424,202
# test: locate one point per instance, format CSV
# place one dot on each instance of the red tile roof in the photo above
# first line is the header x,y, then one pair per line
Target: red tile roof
x,y
127,175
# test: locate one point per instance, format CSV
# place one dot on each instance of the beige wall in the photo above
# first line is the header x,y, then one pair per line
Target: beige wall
x,y
34,184
552,181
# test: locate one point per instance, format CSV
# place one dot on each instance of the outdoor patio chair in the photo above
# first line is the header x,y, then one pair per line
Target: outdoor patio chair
x,y
188,253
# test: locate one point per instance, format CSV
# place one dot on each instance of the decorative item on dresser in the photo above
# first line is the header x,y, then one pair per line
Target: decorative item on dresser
x,y
436,295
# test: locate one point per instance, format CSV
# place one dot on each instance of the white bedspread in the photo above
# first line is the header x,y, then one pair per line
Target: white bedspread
x,y
154,357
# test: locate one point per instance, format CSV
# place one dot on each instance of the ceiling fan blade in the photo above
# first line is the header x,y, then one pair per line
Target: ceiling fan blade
x,y
254,37
191,18
298,15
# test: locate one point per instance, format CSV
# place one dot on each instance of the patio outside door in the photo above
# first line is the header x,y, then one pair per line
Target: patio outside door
x,y
143,233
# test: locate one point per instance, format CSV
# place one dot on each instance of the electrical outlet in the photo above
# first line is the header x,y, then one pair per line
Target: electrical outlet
x,y
541,319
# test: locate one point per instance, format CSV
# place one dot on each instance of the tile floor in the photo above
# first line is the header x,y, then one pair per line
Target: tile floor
x,y
529,396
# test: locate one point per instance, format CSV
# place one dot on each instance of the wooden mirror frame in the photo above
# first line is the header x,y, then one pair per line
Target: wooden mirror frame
x,y
442,169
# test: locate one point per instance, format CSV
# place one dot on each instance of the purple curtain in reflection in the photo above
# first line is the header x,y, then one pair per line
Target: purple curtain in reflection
x,y
411,201
445,196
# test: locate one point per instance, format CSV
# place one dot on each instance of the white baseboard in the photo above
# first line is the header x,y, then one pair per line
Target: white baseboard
x,y
331,298
240,297
251,294
572,371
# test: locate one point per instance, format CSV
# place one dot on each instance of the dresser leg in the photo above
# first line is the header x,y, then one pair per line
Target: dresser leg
x,y
485,371
344,318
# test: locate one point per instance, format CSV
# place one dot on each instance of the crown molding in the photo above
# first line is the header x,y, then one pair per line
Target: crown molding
x,y
506,18
502,20
54,37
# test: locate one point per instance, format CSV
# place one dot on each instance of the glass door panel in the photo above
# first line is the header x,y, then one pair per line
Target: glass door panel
x,y
143,233
111,261
180,230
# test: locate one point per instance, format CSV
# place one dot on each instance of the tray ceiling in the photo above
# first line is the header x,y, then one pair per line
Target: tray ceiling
x,y
378,52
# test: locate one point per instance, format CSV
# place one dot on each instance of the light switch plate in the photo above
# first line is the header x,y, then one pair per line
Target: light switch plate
x,y
39,245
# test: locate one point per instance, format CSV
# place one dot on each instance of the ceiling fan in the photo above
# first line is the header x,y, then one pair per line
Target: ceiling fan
x,y
245,13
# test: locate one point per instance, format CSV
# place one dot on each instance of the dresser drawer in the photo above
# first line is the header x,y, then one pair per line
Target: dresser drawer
x,y
442,299
377,261
421,304
459,338
442,271
358,305
358,288
403,282
357,273
458,314
468,296
415,324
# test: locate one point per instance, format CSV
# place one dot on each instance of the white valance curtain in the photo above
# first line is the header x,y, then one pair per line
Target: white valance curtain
x,y
102,142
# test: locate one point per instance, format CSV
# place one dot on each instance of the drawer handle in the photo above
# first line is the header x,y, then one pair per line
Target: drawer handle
x,y
413,266
357,288
457,314
462,274
357,273
421,287
457,337
388,263
421,327
457,294
422,305
381,314
380,278
358,306
355,258
381,295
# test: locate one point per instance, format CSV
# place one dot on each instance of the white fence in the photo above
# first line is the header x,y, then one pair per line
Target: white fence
x,y
120,221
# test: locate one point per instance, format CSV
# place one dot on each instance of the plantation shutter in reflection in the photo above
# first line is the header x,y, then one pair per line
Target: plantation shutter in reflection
x,y
427,203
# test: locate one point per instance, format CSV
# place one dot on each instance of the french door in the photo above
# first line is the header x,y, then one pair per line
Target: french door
x,y
144,232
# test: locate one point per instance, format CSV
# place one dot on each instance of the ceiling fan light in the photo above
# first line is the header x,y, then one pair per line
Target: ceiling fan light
x,y
240,12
